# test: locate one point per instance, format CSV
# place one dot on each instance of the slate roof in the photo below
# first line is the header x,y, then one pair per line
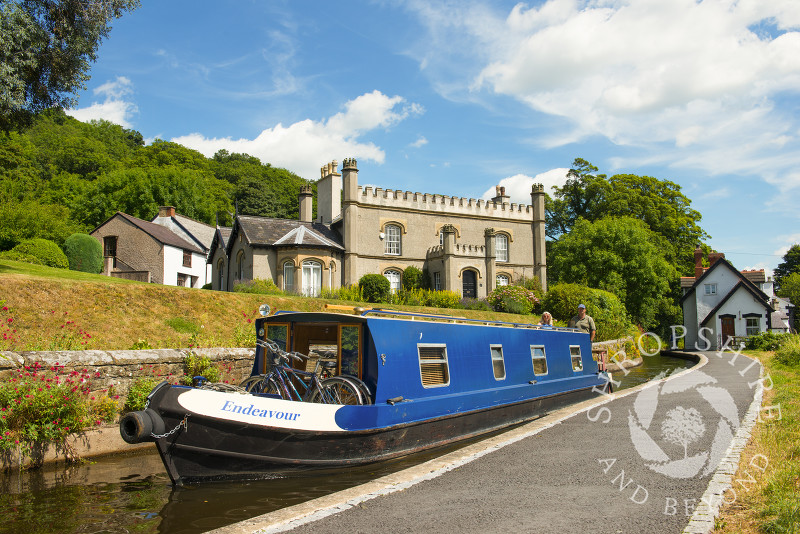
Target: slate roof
x,y
201,233
162,234
266,231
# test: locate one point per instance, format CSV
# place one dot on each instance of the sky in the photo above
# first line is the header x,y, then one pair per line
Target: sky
x,y
455,97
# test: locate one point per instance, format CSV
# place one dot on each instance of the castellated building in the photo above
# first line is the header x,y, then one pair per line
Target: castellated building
x,y
466,245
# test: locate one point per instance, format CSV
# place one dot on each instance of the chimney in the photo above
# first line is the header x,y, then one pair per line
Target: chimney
x,y
166,211
500,197
306,203
329,193
698,262
713,257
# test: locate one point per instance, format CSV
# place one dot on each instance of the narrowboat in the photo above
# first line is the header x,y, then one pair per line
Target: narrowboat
x,y
429,381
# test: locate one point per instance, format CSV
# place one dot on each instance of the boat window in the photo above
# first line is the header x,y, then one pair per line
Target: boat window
x,y
279,333
498,364
539,360
575,353
433,365
349,341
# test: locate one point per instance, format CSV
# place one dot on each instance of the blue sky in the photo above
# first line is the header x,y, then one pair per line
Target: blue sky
x,y
456,97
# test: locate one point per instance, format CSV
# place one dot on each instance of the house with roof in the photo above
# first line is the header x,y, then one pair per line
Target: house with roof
x,y
721,303
466,245
141,250
196,232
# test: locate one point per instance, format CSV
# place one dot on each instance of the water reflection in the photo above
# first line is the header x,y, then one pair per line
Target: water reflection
x,y
133,494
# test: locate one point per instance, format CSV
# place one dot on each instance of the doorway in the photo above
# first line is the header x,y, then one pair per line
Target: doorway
x,y
728,329
468,289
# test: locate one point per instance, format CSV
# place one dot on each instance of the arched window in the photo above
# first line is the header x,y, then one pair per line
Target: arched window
x,y
394,278
312,278
502,280
392,240
221,274
240,265
501,247
288,277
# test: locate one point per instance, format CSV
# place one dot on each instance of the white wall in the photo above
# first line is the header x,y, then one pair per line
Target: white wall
x,y
173,264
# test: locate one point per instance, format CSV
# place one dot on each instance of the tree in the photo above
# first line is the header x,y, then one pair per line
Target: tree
x,y
46,47
84,252
580,197
620,255
790,288
789,265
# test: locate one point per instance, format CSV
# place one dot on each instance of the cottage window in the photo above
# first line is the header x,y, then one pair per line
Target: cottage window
x,y
181,279
394,278
753,326
288,277
312,278
240,266
392,240
437,281
187,258
221,275
498,365
501,247
575,354
711,289
539,360
110,248
433,365
502,280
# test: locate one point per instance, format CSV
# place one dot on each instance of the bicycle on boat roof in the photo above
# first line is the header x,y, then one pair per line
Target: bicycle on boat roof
x,y
293,384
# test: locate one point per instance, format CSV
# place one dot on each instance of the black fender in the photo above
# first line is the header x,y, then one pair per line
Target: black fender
x,y
141,426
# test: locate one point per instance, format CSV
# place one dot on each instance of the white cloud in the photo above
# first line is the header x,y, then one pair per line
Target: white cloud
x,y
116,107
518,187
306,145
420,142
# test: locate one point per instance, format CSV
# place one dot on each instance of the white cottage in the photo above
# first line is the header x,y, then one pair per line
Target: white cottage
x,y
720,303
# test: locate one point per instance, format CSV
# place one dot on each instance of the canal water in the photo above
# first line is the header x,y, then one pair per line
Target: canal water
x,y
133,494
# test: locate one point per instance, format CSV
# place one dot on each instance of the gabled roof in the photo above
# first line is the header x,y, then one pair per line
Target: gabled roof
x,y
747,286
757,276
221,236
266,231
742,278
162,234
201,234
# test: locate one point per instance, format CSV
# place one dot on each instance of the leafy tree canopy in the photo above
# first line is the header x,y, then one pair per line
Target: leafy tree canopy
x,y
790,288
658,203
789,265
46,47
620,255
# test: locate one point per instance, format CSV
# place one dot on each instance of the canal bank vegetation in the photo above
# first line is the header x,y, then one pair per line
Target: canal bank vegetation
x,y
766,488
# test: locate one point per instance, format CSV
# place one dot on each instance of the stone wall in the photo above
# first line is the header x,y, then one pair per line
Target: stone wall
x,y
119,368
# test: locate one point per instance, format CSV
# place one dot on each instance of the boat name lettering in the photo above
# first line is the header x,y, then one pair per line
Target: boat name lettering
x,y
231,406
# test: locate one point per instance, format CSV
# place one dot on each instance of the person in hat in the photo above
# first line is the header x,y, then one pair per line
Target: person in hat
x,y
583,322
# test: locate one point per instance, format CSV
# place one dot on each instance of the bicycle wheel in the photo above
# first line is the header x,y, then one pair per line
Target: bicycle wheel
x,y
254,384
337,390
366,396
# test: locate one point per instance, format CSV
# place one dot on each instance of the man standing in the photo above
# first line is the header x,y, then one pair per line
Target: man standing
x,y
583,322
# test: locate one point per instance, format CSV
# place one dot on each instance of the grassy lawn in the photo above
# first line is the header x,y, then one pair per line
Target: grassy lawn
x,y
767,485
56,309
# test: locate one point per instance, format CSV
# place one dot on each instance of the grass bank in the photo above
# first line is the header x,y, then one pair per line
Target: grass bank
x,y
766,489
42,308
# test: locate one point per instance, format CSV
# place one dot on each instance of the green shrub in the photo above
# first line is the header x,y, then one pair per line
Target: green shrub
x,y
18,256
209,285
351,293
45,251
608,312
789,351
766,341
84,253
194,365
138,392
443,299
375,288
259,286
412,278
512,299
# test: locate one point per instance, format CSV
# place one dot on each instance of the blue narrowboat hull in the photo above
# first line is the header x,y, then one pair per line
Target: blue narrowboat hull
x,y
230,435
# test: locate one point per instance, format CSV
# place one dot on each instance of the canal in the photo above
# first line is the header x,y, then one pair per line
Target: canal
x,y
133,494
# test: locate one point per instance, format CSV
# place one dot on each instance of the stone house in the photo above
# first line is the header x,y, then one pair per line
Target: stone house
x,y
466,245
720,303
148,252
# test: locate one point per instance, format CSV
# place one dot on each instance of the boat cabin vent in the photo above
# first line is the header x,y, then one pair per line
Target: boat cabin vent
x,y
433,365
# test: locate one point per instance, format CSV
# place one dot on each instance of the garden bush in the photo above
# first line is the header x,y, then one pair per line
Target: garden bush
x,y
789,351
375,288
138,392
512,299
606,309
47,252
766,341
259,286
412,278
194,365
84,253
18,256
443,299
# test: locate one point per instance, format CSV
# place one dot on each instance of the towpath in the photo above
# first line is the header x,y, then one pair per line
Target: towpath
x,y
638,461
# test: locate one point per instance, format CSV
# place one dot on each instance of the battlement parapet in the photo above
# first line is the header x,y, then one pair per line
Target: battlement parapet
x,y
437,251
391,198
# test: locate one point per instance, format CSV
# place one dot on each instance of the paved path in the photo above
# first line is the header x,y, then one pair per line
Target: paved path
x,y
572,471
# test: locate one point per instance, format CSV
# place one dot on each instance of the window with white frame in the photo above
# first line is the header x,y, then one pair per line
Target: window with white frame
x,y
288,276
433,367
498,365
437,281
710,289
312,278
539,360
575,355
502,280
753,326
501,247
392,239
394,278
